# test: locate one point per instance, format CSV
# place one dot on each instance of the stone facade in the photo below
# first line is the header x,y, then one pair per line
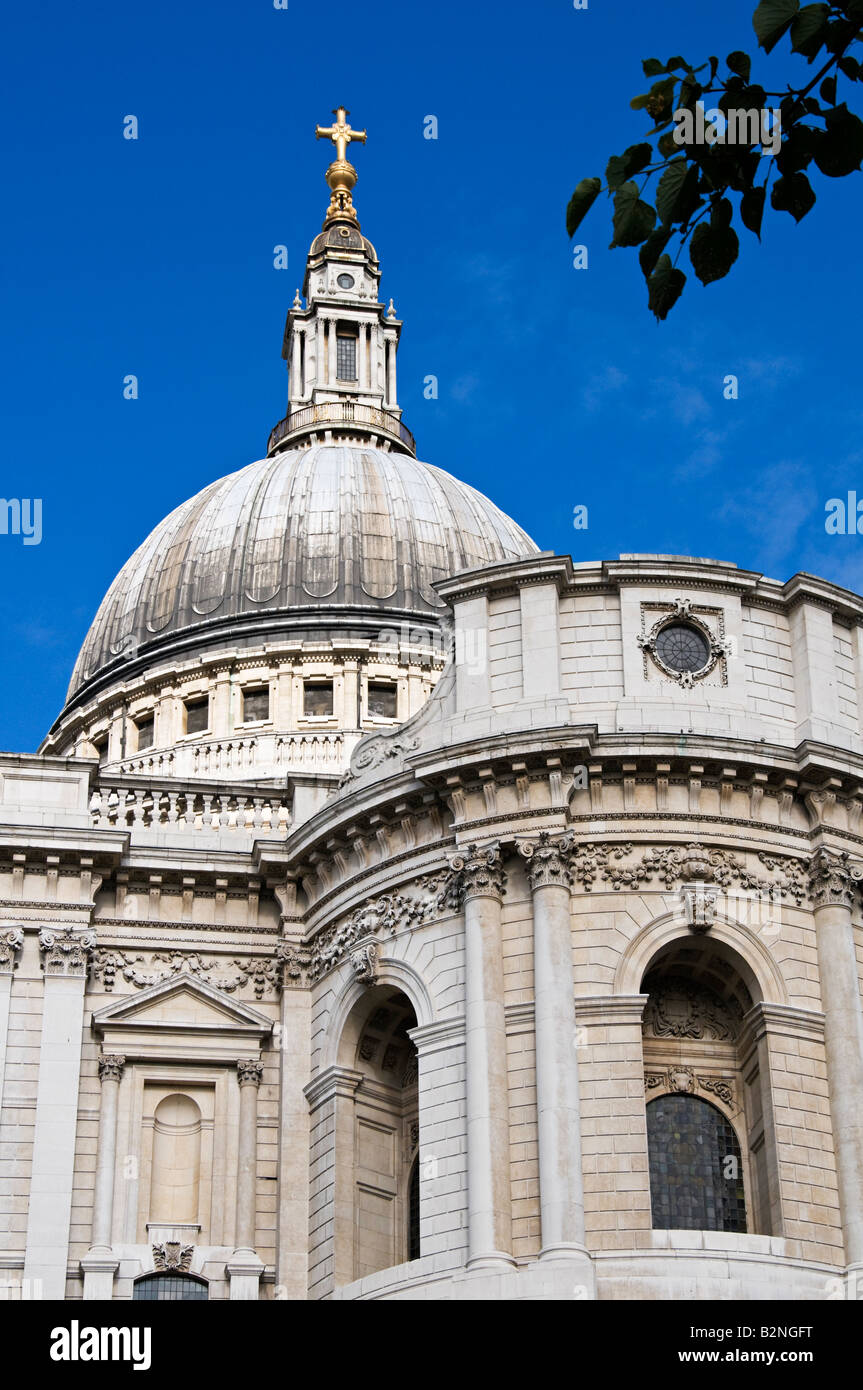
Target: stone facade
x,y
526,913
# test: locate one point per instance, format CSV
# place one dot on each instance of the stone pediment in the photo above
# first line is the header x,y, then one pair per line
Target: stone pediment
x,y
182,1017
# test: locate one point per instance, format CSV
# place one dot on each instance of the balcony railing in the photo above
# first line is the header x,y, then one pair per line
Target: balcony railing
x,y
139,803
341,416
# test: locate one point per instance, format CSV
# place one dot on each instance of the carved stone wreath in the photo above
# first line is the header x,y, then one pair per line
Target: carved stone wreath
x,y
682,611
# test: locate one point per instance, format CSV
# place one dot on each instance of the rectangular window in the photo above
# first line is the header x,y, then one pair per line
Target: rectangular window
x,y
256,705
346,357
146,732
102,749
197,715
318,697
383,699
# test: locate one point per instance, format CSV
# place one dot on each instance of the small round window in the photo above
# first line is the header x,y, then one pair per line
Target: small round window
x,y
682,648
345,282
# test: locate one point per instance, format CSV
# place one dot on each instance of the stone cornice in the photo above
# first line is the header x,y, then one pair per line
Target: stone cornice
x,y
335,1081
610,1010
786,1019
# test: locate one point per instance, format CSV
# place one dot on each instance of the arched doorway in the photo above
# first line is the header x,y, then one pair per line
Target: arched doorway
x,y
384,1131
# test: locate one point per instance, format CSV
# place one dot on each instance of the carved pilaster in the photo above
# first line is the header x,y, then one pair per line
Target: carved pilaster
x,y
65,951
111,1066
547,860
249,1071
478,873
11,941
832,878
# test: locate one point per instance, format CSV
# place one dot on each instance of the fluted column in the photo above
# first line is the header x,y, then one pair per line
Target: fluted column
x,y
11,941
110,1072
480,880
100,1265
561,1183
831,879
245,1267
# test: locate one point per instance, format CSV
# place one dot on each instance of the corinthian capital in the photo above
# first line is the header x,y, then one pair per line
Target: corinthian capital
x,y
111,1066
65,951
547,860
11,941
478,873
249,1071
832,878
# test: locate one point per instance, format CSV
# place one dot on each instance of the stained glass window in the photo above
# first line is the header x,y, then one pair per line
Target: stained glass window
x,y
696,1171
170,1286
682,648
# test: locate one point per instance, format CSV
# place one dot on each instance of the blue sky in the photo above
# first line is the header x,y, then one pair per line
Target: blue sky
x,y
557,387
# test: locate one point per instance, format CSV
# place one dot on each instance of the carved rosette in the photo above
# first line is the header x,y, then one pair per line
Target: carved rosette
x,y
111,1066
833,879
478,873
11,941
249,1071
547,861
365,962
65,950
173,1256
685,1081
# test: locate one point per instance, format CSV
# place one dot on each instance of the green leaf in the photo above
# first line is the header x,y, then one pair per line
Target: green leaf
x,y
851,67
854,11
798,149
772,19
652,249
664,287
669,189
678,64
827,90
713,251
651,67
841,150
739,62
623,166
809,30
580,203
752,210
659,103
633,220
721,213
792,193
667,145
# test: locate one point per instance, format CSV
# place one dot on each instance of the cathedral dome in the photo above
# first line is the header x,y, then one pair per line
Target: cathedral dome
x,y
327,536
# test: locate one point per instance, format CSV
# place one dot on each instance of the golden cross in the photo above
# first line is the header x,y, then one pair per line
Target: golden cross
x,y
340,133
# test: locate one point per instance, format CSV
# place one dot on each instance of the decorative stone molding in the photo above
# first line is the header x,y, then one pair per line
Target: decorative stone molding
x,y
547,860
65,951
832,878
478,873
382,916
173,1256
111,1066
249,1070
693,863
685,611
262,973
293,961
678,1008
365,963
11,941
685,1081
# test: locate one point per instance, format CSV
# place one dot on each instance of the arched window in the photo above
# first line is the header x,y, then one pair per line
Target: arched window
x,y
170,1286
696,1170
414,1211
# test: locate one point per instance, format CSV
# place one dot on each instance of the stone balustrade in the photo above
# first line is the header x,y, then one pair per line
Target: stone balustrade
x,y
140,803
264,754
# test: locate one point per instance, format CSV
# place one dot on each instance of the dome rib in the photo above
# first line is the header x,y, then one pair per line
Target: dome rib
x,y
307,529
